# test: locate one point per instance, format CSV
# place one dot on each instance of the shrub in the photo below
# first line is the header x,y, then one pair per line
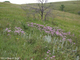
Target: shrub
x,y
7,1
79,12
62,7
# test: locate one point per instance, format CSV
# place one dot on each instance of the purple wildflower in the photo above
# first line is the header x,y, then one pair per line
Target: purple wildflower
x,y
47,31
69,33
16,31
50,53
60,34
37,24
64,33
9,30
57,32
47,52
41,25
63,39
6,29
50,57
28,24
53,56
74,43
22,32
45,58
32,23
69,40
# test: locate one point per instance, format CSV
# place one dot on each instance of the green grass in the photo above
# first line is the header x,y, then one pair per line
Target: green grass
x,y
70,6
34,43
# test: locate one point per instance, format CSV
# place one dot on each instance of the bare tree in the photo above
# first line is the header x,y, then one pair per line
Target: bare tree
x,y
42,9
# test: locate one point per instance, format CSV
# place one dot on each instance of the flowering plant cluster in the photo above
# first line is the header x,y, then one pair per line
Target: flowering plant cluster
x,y
51,30
49,56
17,30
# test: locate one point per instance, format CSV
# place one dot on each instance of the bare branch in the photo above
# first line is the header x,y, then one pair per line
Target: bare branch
x,y
41,9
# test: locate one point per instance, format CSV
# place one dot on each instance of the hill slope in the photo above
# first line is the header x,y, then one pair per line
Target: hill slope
x,y
10,12
17,39
70,6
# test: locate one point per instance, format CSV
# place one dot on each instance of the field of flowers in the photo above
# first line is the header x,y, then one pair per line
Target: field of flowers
x,y
26,38
37,42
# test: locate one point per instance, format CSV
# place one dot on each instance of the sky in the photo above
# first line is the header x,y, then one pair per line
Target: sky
x,y
28,1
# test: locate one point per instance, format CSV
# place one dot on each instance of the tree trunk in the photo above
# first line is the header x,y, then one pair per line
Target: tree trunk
x,y
41,15
42,11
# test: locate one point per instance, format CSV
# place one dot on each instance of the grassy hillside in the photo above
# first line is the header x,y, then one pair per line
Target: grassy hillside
x,y
26,38
10,12
70,6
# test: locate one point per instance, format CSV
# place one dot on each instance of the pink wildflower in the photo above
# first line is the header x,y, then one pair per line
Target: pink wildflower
x,y
47,52
69,33
50,53
52,33
50,57
47,31
64,39
70,40
45,58
9,30
57,32
6,29
28,24
53,56
74,43
22,32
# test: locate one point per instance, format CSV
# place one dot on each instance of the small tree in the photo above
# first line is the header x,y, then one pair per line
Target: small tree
x,y
44,10
41,9
7,1
62,7
79,12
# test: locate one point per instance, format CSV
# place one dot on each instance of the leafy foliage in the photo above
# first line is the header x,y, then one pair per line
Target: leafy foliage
x,y
7,1
79,12
62,7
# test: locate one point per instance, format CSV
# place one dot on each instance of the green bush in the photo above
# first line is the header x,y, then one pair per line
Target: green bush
x,y
62,7
7,1
79,12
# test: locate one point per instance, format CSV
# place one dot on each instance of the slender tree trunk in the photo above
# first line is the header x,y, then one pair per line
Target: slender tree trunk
x,y
42,12
41,15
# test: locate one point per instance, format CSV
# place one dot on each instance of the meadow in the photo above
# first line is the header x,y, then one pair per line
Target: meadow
x,y
32,39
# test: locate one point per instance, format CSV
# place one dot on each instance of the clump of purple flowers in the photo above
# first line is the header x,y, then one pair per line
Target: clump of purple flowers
x,y
51,30
16,31
49,56
7,30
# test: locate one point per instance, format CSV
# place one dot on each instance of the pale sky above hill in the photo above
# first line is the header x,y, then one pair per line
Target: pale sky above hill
x,y
29,1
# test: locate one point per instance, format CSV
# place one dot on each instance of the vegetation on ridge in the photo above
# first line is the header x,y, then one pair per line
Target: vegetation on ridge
x,y
27,38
